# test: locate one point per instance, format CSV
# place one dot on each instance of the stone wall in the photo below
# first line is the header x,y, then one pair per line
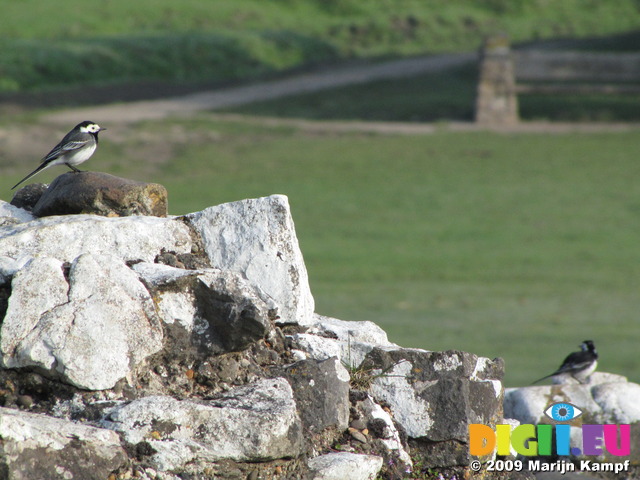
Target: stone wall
x,y
188,347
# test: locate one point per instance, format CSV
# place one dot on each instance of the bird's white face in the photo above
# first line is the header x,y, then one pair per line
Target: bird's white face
x,y
91,128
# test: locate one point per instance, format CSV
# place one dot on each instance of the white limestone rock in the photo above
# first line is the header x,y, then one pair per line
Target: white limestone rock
x,y
10,214
618,402
410,409
349,341
90,330
255,422
363,332
69,236
343,465
219,310
597,378
257,238
316,347
436,395
10,266
391,440
36,290
39,447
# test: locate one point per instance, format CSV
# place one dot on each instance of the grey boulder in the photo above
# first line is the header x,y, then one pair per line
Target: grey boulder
x,y
208,311
255,422
101,194
40,447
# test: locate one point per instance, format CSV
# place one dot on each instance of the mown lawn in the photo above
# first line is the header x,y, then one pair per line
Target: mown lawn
x,y
511,245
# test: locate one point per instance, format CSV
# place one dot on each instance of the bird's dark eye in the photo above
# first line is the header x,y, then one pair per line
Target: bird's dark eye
x,y
563,412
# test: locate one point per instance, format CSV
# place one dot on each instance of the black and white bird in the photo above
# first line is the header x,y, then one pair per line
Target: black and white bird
x,y
76,147
578,365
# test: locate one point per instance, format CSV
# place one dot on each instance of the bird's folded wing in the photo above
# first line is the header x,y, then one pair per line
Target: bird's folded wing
x,y
63,148
576,366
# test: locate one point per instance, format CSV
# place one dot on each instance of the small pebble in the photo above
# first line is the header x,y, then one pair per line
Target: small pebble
x,y
358,424
24,401
345,448
357,435
151,472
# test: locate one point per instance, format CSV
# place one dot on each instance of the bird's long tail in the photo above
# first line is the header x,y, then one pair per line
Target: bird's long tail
x,y
544,378
37,170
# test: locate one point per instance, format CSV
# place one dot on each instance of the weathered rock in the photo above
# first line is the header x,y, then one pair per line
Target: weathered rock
x,y
321,390
90,330
361,332
10,214
39,447
382,428
434,396
67,237
84,304
257,239
101,194
349,341
9,267
27,197
343,465
597,378
306,345
217,310
250,423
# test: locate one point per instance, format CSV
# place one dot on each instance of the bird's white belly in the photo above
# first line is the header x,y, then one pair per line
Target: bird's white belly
x,y
583,375
80,156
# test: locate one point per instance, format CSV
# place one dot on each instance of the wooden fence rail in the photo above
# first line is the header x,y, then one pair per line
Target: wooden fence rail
x,y
505,73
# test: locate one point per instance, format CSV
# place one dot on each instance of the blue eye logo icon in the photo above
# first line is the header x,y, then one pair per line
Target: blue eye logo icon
x,y
563,412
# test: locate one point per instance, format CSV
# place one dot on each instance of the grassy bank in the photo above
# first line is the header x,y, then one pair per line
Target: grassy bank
x,y
45,45
518,246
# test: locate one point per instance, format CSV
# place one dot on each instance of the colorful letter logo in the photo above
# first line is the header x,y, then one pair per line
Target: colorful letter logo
x,y
537,440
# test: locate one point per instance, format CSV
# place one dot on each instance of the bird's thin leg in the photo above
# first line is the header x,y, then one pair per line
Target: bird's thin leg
x,y
74,168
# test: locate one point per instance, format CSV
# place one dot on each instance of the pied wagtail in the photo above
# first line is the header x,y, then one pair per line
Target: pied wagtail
x,y
578,365
76,147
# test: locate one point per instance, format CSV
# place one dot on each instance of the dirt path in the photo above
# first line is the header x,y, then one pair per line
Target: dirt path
x,y
235,96
121,114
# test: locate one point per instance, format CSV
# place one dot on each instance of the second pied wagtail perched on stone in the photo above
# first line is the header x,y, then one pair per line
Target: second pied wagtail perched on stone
x,y
578,365
76,147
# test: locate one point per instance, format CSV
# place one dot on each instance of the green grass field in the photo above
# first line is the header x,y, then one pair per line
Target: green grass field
x,y
519,246
53,45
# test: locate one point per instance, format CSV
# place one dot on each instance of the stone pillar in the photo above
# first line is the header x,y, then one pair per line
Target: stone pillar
x,y
496,102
